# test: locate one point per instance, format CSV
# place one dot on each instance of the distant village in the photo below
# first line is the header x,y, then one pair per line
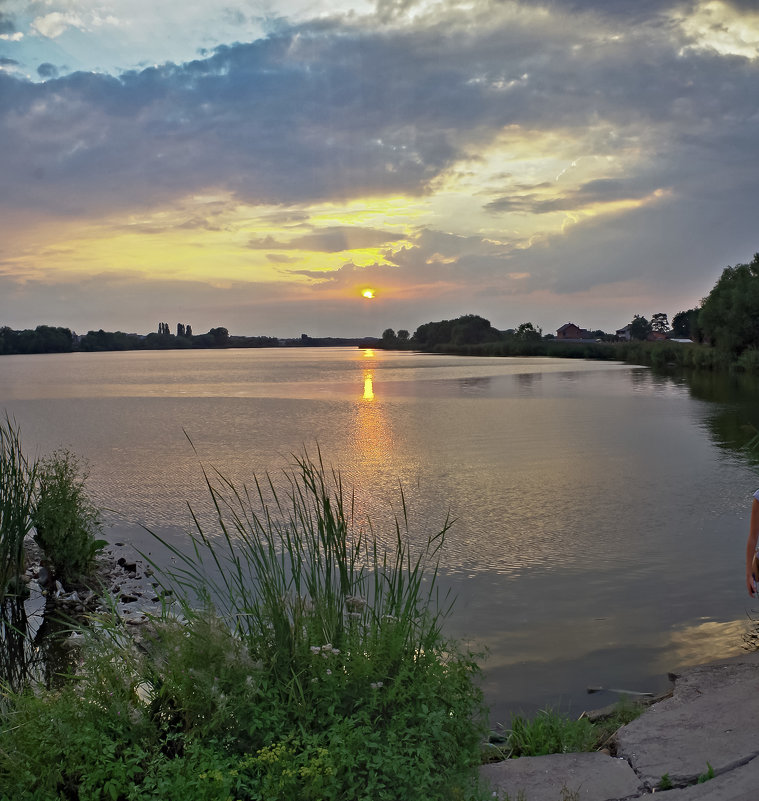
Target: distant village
x,y
573,333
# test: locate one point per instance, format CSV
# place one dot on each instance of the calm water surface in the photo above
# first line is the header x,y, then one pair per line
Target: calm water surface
x,y
601,511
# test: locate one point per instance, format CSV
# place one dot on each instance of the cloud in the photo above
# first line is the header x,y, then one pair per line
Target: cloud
x,y
558,148
54,24
332,239
47,70
600,190
7,24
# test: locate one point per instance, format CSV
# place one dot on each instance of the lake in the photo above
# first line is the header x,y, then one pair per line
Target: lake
x,y
601,510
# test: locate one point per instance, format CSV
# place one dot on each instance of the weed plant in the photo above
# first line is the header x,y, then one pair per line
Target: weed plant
x,y
66,521
17,481
550,733
314,668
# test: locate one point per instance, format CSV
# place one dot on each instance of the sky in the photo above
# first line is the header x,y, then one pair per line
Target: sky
x,y
259,165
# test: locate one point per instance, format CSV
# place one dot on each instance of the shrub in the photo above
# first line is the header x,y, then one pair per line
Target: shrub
x,y
65,519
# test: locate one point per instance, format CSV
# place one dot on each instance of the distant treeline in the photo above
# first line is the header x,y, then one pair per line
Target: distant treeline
x,y
472,335
723,333
55,339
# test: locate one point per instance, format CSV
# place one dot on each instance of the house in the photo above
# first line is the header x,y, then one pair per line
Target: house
x,y
572,331
624,333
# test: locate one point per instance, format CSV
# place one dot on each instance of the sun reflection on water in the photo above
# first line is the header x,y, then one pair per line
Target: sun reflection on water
x,y
372,435
368,386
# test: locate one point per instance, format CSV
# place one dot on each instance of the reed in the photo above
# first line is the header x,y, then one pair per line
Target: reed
x,y
292,573
17,486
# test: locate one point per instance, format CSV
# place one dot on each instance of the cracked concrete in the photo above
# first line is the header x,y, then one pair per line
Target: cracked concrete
x,y
710,721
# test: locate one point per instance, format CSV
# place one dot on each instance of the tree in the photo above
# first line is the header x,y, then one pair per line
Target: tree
x,y
729,315
640,328
403,335
685,325
528,332
659,323
471,329
219,337
388,338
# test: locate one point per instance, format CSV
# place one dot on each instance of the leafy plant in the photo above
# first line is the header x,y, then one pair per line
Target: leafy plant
x,y
17,480
66,521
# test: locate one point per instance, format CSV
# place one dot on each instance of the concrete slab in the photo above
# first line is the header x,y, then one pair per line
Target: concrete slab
x,y
740,784
594,777
712,716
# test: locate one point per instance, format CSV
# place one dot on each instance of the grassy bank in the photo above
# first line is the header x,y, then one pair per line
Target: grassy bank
x,y
307,662
653,354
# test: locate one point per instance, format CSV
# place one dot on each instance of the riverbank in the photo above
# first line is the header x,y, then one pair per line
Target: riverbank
x,y
700,743
704,731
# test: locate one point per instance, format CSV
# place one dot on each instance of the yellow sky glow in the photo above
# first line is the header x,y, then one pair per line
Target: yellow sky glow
x,y
213,238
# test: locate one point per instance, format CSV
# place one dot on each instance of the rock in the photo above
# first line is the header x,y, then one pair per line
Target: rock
x,y
128,599
43,577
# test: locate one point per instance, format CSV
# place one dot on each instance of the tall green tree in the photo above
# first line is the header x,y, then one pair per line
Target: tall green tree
x,y
660,322
685,324
729,316
528,332
640,328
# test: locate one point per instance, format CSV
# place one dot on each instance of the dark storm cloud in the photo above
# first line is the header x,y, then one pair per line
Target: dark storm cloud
x,y
8,62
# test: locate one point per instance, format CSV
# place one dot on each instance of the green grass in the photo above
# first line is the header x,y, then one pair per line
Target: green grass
x,y
550,732
313,667
707,775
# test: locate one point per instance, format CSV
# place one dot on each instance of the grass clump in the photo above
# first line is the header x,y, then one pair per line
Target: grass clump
x,y
309,663
665,783
66,521
707,775
550,733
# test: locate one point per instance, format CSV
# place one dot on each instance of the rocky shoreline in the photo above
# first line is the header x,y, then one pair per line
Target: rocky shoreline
x,y
120,582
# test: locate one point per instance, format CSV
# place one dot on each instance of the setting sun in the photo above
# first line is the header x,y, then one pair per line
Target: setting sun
x,y
368,293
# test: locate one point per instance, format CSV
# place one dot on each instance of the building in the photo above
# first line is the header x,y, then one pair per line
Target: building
x,y
572,331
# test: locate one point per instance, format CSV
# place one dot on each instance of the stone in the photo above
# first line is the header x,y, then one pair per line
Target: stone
x,y
593,776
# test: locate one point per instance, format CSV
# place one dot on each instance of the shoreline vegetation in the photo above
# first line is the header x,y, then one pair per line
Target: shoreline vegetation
x,y
292,656
299,658
722,334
